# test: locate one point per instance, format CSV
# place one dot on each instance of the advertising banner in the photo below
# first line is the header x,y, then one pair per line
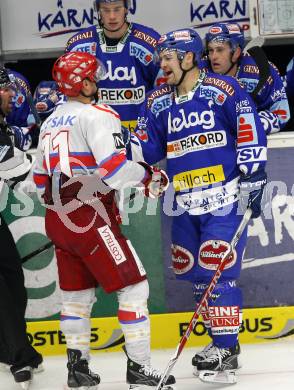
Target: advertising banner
x,y
37,26
259,325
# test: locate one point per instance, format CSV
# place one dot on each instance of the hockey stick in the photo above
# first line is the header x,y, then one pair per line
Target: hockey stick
x,y
263,65
37,251
50,243
204,299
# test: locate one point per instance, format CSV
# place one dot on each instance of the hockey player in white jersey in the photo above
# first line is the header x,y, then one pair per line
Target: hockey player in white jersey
x,y
81,162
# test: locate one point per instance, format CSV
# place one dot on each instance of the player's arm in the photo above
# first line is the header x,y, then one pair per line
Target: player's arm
x,y
274,110
251,153
103,134
14,163
149,142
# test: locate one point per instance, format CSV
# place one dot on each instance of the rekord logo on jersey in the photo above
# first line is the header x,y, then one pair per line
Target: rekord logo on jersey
x,y
121,96
87,47
205,119
161,104
251,154
247,134
120,73
196,142
198,177
141,53
213,93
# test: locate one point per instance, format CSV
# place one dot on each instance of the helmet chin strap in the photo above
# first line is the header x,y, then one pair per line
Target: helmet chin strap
x,y
184,72
92,96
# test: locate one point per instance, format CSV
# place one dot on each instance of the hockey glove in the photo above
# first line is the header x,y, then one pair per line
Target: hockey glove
x,y
269,121
22,138
251,191
155,181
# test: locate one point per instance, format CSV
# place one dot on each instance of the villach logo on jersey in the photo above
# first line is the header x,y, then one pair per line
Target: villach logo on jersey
x,y
65,19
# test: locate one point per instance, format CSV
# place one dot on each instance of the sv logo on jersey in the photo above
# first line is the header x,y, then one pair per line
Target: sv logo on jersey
x,y
120,73
204,119
251,154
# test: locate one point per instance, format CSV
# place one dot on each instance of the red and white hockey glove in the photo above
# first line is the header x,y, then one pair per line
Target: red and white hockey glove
x,y
155,181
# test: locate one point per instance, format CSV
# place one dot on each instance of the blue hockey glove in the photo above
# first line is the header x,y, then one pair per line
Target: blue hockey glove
x,y
22,138
251,191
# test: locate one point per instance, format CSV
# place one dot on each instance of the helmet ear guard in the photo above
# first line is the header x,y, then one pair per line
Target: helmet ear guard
x,y
72,68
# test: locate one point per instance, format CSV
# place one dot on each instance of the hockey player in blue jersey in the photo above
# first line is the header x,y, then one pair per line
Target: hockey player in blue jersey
x,y
126,50
207,127
225,43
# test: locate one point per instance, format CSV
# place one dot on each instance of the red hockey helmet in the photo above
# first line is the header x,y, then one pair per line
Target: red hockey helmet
x,y
72,68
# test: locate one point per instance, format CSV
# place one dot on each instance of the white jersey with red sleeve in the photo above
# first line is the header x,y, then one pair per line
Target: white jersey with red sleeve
x,y
84,139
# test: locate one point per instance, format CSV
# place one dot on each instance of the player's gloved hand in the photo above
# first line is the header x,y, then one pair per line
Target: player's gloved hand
x,y
269,121
155,181
22,138
251,191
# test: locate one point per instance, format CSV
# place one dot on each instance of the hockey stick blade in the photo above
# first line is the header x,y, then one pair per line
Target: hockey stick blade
x,y
263,65
258,41
207,293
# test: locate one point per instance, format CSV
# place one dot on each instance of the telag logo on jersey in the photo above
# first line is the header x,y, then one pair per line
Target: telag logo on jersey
x,y
243,106
161,104
88,47
141,53
213,93
204,119
120,73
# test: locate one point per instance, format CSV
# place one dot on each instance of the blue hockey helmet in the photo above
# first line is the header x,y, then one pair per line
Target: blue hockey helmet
x,y
226,32
181,41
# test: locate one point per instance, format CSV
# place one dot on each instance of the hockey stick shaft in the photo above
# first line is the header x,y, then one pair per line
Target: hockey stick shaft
x,y
37,251
204,299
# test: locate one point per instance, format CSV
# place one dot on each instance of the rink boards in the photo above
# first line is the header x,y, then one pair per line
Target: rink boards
x,y
259,325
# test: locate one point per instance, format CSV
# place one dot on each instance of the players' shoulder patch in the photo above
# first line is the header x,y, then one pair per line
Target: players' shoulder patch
x,y
225,84
118,140
143,34
158,92
80,37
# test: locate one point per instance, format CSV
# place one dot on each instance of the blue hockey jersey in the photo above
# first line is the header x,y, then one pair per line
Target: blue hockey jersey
x,y
131,72
209,136
271,101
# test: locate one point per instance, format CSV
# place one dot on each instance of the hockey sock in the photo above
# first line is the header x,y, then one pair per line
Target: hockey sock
x,y
133,316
